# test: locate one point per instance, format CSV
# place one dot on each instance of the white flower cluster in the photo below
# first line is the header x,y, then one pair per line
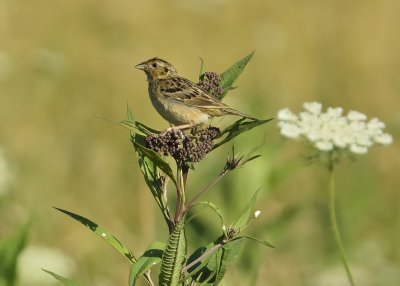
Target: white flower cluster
x,y
331,129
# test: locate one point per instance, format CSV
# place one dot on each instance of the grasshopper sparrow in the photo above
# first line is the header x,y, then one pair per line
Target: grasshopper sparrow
x,y
178,100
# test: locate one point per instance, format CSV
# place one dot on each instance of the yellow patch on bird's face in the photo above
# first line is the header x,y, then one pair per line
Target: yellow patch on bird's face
x,y
157,68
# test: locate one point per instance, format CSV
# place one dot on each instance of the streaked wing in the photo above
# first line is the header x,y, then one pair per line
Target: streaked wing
x,y
187,92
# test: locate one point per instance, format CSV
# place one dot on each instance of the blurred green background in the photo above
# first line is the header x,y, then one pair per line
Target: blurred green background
x,y
62,63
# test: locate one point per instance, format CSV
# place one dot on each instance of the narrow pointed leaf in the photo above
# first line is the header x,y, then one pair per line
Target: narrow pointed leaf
x,y
201,264
128,124
229,76
156,159
104,234
136,127
145,129
213,207
240,126
214,267
229,253
174,256
262,242
129,113
201,68
150,165
63,280
246,214
151,257
151,176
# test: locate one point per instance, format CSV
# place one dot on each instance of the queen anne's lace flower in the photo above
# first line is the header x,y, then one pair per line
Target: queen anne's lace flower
x,y
331,129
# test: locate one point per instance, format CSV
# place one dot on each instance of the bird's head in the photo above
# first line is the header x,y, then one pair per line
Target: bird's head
x,y
157,68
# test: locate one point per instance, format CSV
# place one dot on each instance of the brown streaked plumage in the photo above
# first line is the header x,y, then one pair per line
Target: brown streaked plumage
x,y
179,100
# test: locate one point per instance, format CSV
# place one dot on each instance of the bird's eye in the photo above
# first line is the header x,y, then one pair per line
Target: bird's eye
x,y
154,65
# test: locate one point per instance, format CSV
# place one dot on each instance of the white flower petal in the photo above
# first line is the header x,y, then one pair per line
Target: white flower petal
x,y
334,112
313,136
313,107
326,130
357,126
375,124
290,130
363,140
340,141
306,116
286,115
384,139
358,149
324,145
356,116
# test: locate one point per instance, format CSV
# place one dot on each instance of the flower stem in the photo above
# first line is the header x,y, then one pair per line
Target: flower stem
x,y
209,186
335,229
180,191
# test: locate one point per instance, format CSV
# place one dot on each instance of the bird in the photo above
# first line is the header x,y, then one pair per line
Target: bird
x,y
180,101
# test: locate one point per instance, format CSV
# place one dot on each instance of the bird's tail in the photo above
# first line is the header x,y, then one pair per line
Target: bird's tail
x,y
237,112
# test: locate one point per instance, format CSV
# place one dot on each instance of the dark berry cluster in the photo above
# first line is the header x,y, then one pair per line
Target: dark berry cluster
x,y
210,82
183,147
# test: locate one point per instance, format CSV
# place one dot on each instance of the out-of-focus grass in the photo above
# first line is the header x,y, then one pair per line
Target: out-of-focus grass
x,y
64,62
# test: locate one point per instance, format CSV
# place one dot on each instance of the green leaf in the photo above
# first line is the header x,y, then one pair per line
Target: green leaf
x,y
155,182
10,249
145,129
246,214
112,240
63,280
174,256
240,126
156,159
129,113
151,176
210,272
151,257
201,265
132,125
213,207
128,124
229,76
201,68
135,127
136,124
262,242
229,252
150,163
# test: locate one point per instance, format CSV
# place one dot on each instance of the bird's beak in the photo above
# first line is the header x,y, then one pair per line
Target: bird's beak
x,y
141,66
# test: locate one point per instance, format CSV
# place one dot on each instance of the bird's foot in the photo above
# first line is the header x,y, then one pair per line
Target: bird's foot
x,y
179,127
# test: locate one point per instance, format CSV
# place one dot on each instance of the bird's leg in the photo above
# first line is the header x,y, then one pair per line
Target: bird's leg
x,y
179,127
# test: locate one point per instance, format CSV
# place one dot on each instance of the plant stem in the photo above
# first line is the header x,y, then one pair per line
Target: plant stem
x,y
205,254
185,172
180,194
335,229
164,203
209,186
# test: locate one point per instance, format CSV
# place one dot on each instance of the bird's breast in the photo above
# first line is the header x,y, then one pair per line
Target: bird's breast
x,y
175,111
